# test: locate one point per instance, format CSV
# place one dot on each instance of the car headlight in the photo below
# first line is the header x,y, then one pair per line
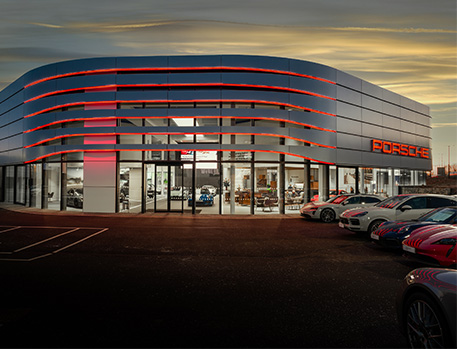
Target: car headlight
x,y
446,241
361,214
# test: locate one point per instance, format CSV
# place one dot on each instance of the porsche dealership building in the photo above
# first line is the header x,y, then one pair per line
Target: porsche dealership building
x,y
219,134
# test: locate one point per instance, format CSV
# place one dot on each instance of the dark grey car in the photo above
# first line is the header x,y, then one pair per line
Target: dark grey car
x,y
426,308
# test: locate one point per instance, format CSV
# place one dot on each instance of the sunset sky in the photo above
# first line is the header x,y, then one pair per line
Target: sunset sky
x,y
407,46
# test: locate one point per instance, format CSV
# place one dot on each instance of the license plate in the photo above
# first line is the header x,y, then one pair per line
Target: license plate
x,y
409,249
341,225
374,236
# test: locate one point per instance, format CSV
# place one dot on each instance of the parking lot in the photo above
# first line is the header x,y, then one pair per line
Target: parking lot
x,y
171,280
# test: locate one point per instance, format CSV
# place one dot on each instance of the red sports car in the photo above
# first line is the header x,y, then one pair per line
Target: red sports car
x,y
434,243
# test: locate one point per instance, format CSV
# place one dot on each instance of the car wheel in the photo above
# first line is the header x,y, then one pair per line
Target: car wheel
x,y
374,225
327,215
425,324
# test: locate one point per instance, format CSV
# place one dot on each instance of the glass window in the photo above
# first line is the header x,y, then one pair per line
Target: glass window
x,y
266,189
370,200
434,202
130,188
214,139
20,184
266,140
78,140
130,105
74,197
9,184
346,179
156,122
52,184
132,122
416,203
352,200
237,188
208,121
35,185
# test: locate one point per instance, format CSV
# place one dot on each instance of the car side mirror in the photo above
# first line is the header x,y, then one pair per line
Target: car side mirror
x,y
406,208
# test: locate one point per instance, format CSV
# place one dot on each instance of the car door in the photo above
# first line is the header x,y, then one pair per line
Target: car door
x,y
418,207
350,202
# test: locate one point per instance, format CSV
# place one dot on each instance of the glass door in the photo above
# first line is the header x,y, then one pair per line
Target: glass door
x,y
165,191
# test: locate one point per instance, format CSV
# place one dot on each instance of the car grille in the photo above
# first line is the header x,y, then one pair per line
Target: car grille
x,y
355,221
344,220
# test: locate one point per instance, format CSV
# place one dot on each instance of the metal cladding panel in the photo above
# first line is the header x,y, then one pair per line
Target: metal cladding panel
x,y
415,163
313,69
312,102
159,112
372,131
349,81
194,95
349,141
371,89
371,117
391,97
142,62
193,112
133,79
316,136
393,161
86,64
348,110
39,135
267,113
391,122
314,86
372,159
15,142
408,126
423,142
39,89
43,72
127,96
264,79
85,81
259,62
194,78
11,89
391,135
391,109
349,157
371,103
194,61
408,138
317,153
349,96
267,96
267,130
349,126
319,120
11,103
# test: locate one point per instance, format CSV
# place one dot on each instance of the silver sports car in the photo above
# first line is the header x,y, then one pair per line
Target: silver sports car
x,y
426,308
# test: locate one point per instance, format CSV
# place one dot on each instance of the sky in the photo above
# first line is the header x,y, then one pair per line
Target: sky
x,y
407,46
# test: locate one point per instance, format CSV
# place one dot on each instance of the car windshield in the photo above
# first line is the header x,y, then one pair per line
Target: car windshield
x,y
440,215
338,199
393,201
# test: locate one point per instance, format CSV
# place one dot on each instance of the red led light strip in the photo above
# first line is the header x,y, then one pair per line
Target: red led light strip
x,y
175,133
178,101
287,89
117,70
227,150
176,117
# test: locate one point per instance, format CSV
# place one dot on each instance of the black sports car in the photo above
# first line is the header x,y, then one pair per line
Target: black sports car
x,y
391,234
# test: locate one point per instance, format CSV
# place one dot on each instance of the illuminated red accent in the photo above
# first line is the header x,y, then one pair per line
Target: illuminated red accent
x,y
400,149
103,88
173,117
227,150
117,70
109,141
178,101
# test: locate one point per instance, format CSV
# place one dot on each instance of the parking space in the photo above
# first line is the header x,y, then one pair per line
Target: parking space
x,y
29,243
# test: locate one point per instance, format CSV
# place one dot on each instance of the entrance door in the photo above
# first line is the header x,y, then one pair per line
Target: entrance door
x,y
165,191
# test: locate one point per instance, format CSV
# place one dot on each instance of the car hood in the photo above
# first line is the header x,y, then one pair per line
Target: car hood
x,y
353,211
427,231
315,204
393,228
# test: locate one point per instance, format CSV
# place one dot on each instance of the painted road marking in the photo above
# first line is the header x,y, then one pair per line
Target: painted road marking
x,y
47,254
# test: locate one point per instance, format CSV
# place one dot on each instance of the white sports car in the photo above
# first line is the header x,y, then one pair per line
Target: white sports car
x,y
396,208
329,210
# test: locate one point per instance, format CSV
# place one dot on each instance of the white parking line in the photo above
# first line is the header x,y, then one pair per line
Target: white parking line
x,y
4,231
42,241
73,229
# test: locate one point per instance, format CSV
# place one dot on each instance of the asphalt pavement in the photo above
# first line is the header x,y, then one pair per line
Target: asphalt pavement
x,y
174,280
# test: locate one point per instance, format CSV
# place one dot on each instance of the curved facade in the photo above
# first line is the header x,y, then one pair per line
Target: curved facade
x,y
193,121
